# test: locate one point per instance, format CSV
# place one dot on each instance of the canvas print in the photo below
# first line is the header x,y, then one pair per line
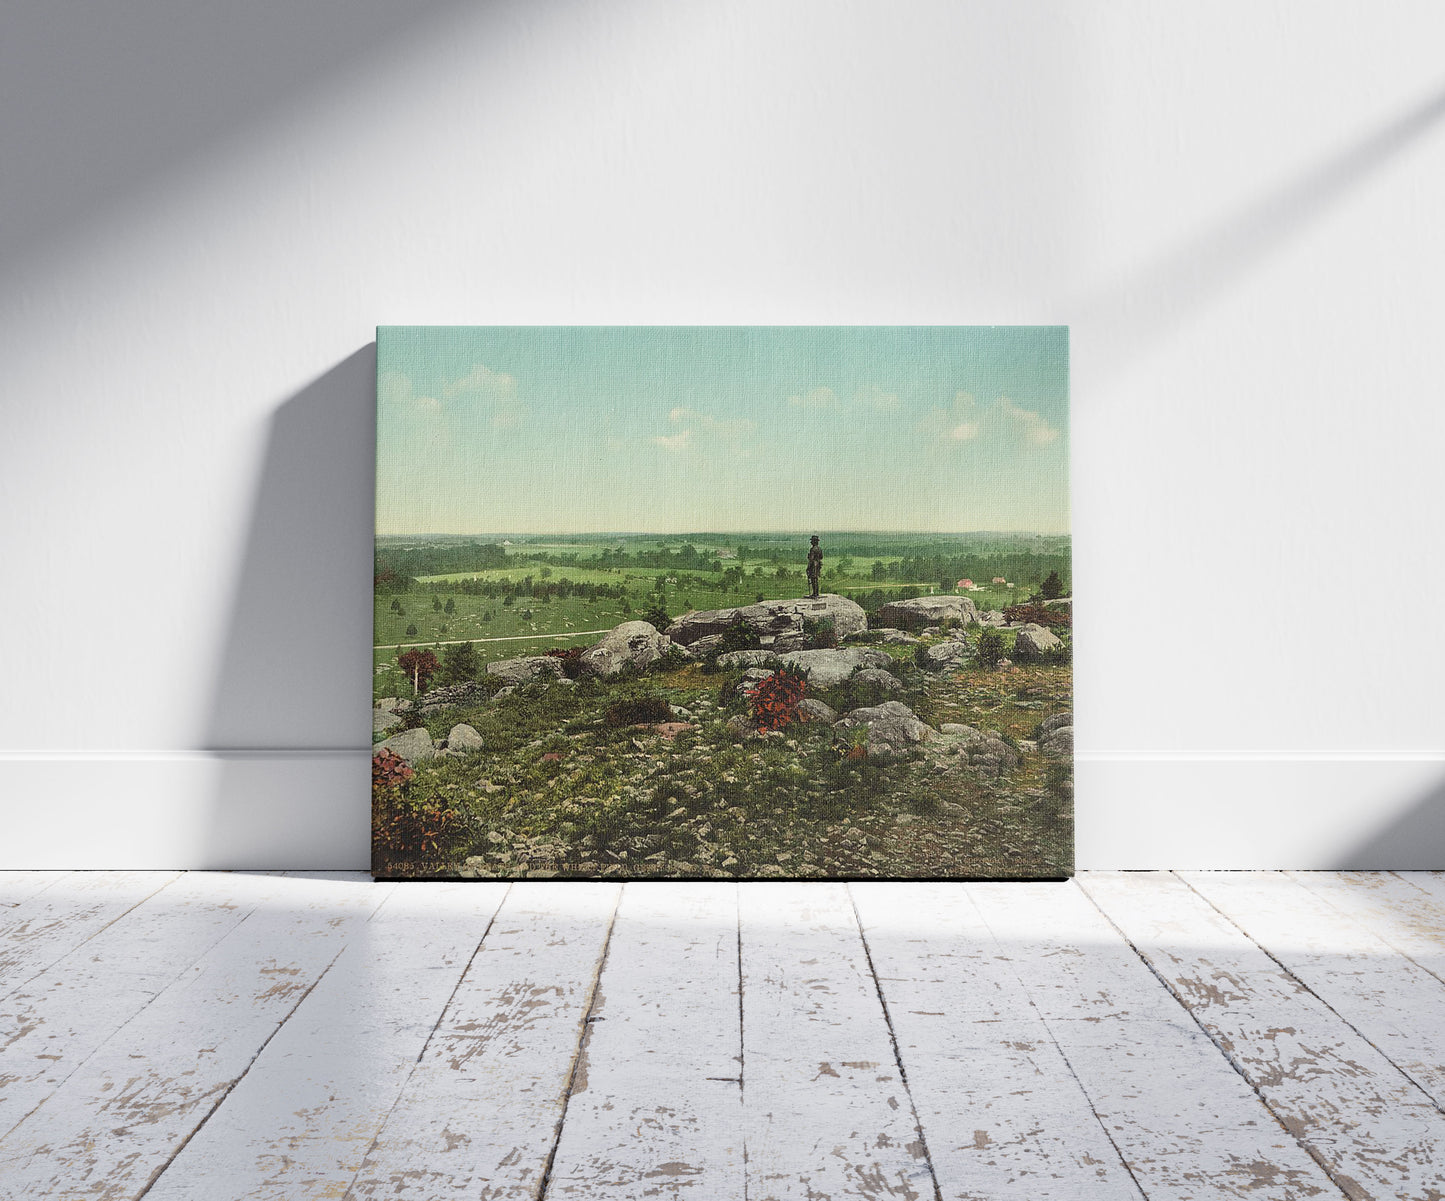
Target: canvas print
x,y
732,602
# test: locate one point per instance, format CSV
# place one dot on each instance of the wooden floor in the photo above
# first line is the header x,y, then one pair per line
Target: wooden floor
x,y
1158,1035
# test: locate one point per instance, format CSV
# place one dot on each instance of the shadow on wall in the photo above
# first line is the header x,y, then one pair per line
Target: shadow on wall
x,y
1413,841
289,714
1148,305
116,97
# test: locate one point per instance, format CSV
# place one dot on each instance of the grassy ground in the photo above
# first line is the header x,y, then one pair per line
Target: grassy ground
x,y
558,790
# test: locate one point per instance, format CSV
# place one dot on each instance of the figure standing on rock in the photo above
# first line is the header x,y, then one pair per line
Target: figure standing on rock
x,y
815,567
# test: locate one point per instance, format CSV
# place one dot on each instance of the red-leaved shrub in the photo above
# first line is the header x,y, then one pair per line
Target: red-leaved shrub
x,y
775,700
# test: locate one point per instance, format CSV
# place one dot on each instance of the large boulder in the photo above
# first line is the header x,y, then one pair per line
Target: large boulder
x,y
1058,743
382,720
633,644
778,624
464,738
989,755
528,667
1033,642
879,678
927,611
411,745
893,728
954,653
810,708
1056,722
825,668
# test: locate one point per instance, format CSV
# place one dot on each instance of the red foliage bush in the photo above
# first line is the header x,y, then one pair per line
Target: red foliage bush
x,y
775,700
419,666
389,772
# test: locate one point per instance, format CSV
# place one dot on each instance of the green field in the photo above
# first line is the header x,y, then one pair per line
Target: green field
x,y
532,624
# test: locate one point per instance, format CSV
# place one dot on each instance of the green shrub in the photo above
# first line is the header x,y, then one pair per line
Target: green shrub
x,y
739,636
990,648
637,710
657,617
820,634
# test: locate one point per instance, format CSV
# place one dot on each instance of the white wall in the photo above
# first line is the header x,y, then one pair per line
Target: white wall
x,y
206,207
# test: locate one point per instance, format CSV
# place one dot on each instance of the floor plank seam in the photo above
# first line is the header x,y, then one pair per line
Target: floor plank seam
x,y
742,1036
441,1016
1067,1062
893,1042
1229,1058
93,934
1382,935
105,1042
579,1057
231,1087
1303,987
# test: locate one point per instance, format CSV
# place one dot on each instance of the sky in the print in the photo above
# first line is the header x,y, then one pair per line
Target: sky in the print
x,y
675,429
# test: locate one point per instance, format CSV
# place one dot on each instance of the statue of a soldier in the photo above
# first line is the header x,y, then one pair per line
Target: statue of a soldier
x,y
815,567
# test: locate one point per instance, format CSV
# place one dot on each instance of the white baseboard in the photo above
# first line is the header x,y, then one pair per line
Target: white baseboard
x,y
310,809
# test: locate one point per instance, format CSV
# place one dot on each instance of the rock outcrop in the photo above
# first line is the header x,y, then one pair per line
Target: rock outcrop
x,y
464,738
1033,642
528,667
633,644
778,624
812,709
954,653
383,720
1056,736
821,668
411,745
926,611
893,728
879,678
467,693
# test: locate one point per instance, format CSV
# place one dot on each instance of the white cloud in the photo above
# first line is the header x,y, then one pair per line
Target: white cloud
x,y
394,390
482,381
1033,428
703,423
677,443
1003,421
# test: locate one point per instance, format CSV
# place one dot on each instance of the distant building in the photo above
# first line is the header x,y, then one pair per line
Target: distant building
x,y
965,584
998,579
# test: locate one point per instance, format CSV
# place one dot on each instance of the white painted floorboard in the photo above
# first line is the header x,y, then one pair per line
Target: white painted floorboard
x,y
1126,1036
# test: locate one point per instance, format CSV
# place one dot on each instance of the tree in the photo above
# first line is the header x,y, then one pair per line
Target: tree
x,y
411,630
436,604
508,601
657,617
459,664
487,616
1052,588
420,665
396,606
450,607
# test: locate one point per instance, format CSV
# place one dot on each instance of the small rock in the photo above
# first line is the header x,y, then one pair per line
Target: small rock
x,y
382,721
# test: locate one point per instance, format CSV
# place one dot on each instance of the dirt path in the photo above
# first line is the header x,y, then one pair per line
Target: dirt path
x,y
396,646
